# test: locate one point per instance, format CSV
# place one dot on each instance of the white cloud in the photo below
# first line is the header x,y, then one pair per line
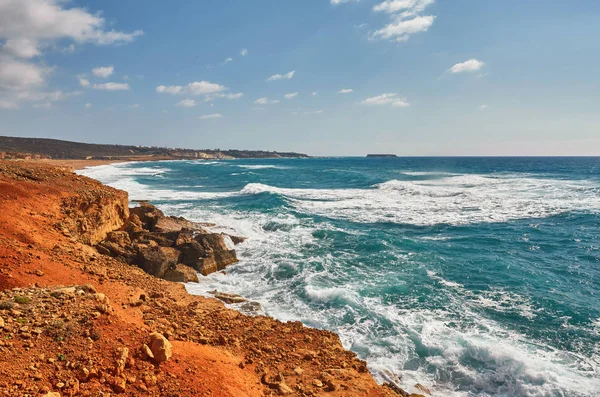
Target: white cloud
x,y
45,105
228,60
22,47
401,29
314,112
212,97
237,95
314,94
70,49
210,116
135,106
5,104
336,2
291,95
406,19
186,103
196,88
472,65
26,95
103,71
28,27
18,75
265,101
172,89
345,91
43,20
112,87
244,52
52,96
386,99
87,105
286,76
84,82
394,6
483,107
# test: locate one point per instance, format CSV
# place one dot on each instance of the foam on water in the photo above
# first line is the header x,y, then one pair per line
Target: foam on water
x,y
262,167
455,200
455,349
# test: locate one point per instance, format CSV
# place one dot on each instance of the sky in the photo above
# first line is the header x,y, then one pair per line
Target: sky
x,y
323,77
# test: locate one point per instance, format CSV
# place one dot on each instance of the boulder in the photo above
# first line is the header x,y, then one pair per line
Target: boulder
x,y
185,236
181,274
212,241
228,298
133,225
116,250
156,260
162,239
148,215
225,258
206,266
119,238
169,224
236,239
161,348
191,251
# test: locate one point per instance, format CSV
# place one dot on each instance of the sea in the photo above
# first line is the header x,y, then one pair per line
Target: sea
x,y
469,276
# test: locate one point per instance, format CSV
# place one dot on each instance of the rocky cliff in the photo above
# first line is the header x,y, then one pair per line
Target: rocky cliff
x,y
76,322
168,247
92,214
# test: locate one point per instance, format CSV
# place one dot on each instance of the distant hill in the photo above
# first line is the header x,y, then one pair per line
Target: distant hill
x,y
381,155
58,149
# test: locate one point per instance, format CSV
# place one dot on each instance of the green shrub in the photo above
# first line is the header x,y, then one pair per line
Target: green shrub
x,y
21,300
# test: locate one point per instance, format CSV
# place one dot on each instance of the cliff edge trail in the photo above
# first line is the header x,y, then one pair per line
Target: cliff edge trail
x,y
76,322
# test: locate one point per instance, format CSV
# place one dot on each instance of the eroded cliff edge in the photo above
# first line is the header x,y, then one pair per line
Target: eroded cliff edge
x,y
88,338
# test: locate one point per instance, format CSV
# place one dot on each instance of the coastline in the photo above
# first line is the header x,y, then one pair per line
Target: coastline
x,y
40,248
81,164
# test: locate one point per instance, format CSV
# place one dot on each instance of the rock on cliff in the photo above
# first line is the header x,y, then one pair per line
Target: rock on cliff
x,y
168,247
93,213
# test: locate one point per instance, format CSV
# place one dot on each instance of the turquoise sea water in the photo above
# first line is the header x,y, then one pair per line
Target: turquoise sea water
x,y
471,276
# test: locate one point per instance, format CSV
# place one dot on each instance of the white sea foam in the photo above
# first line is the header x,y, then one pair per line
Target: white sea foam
x,y
455,200
262,166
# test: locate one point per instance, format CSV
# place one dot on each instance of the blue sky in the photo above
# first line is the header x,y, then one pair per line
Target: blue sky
x,y
412,77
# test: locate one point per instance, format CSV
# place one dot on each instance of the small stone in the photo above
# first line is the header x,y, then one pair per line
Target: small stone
x,y
39,273
84,374
298,371
161,347
331,386
122,354
423,388
284,389
317,383
120,384
60,385
146,352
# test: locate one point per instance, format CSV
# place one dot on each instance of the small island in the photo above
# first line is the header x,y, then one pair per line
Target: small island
x,y
381,155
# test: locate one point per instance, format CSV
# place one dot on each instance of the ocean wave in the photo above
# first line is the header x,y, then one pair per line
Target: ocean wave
x,y
262,166
452,199
455,200
454,351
